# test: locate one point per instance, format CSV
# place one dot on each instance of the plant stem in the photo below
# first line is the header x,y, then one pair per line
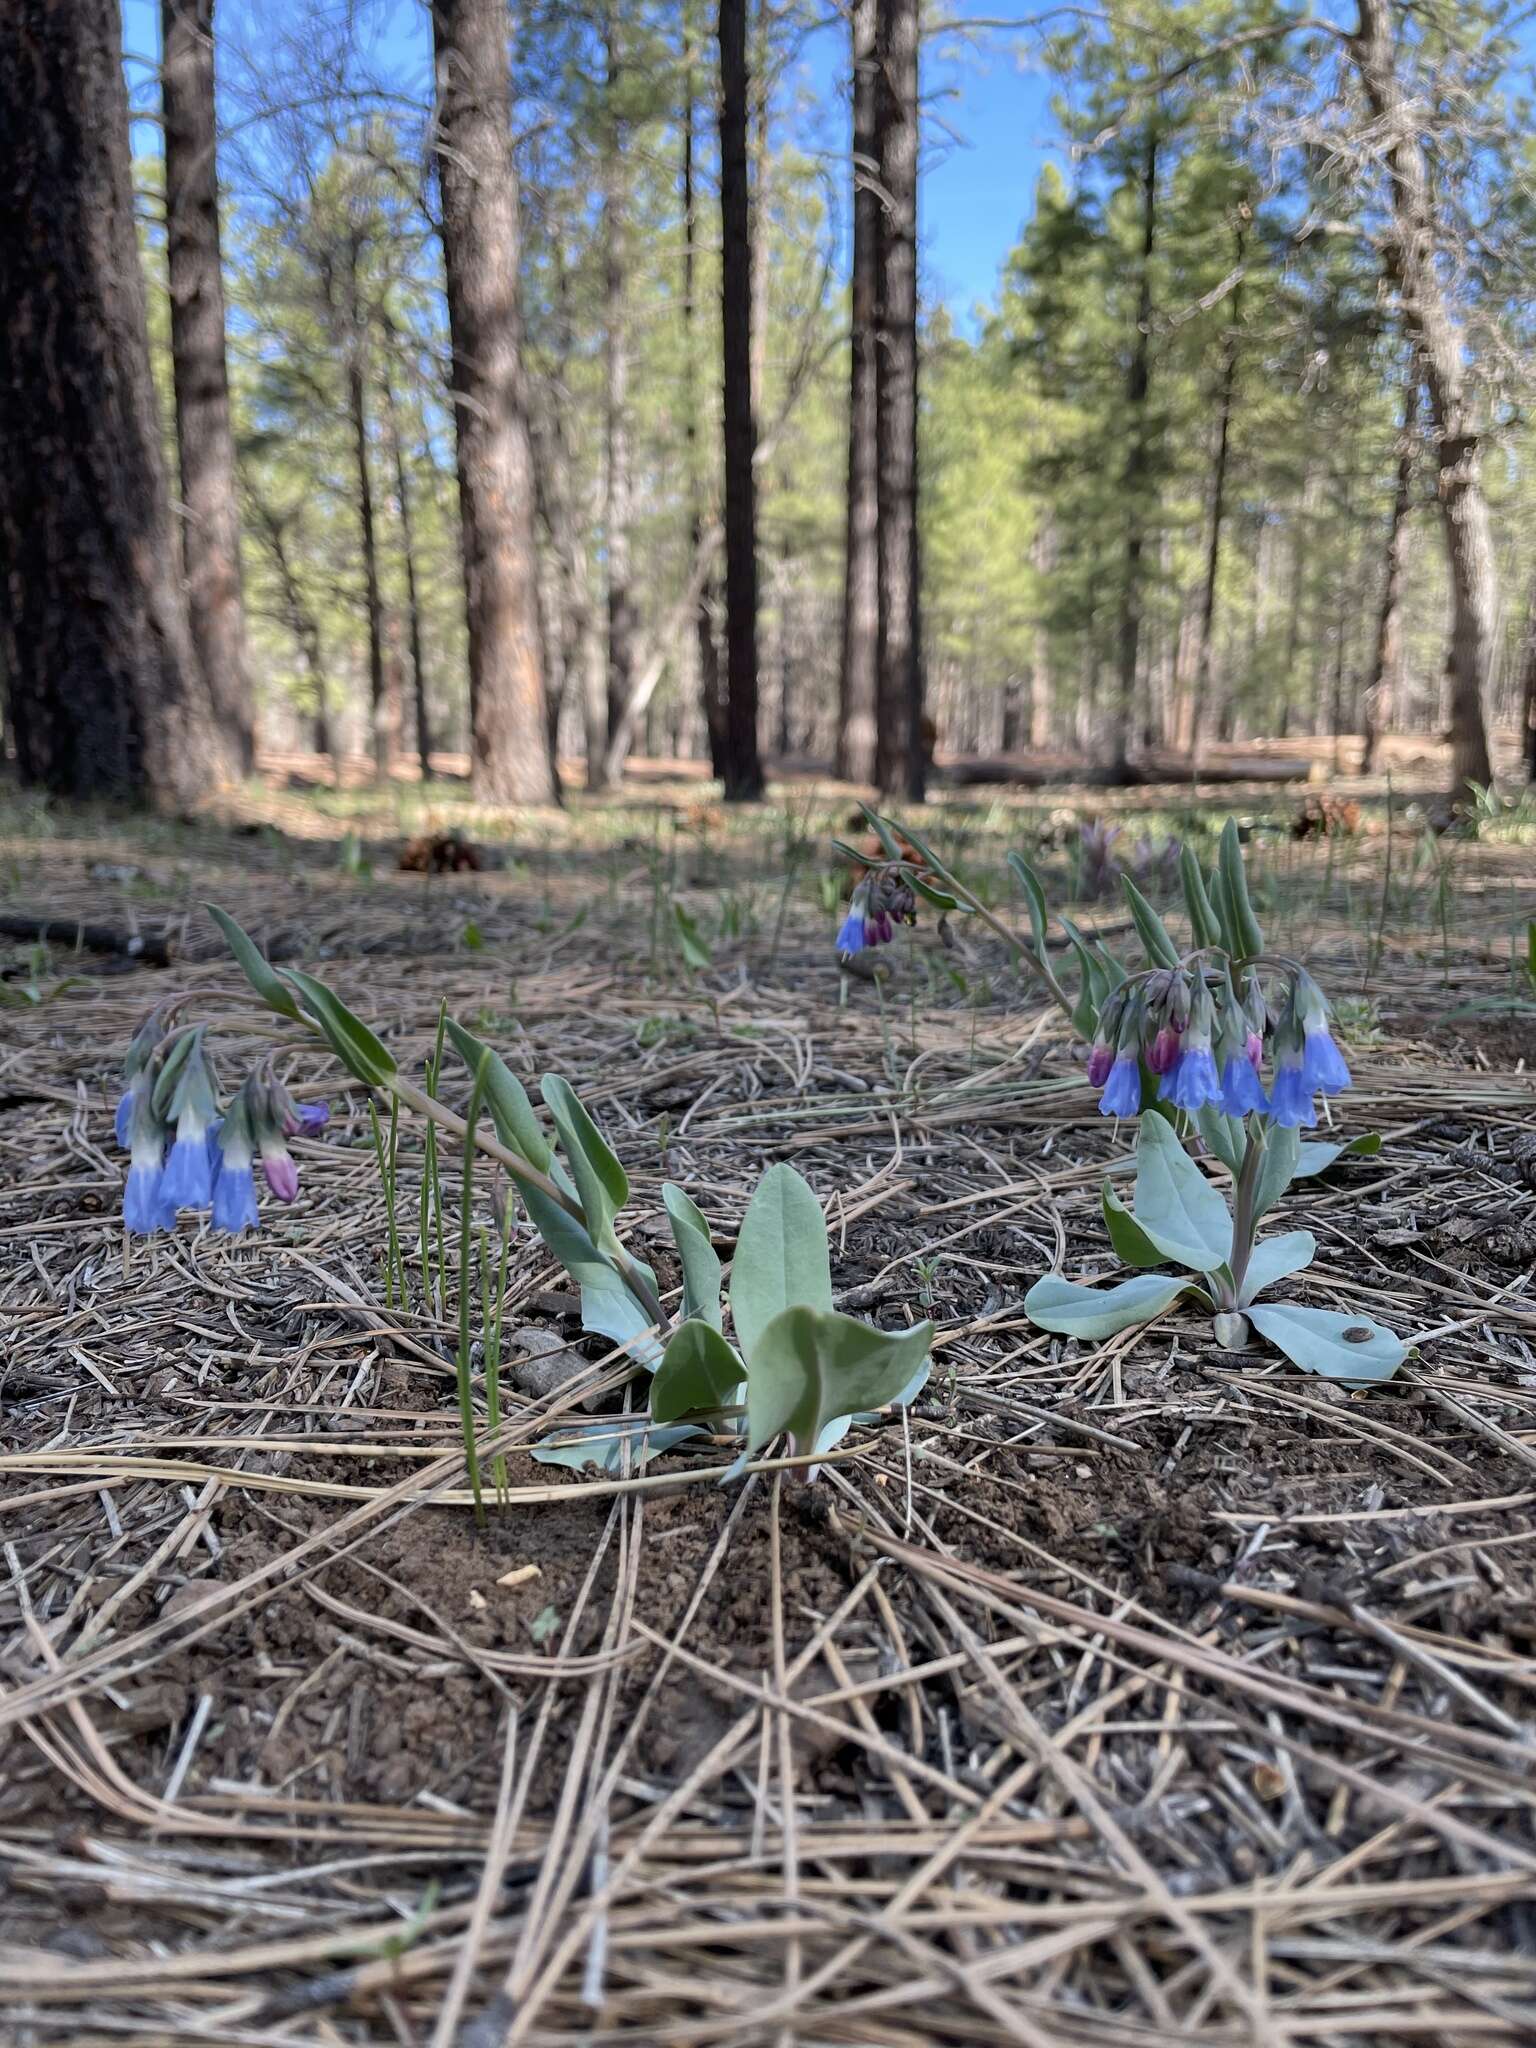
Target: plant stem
x,y
524,1174
1244,1221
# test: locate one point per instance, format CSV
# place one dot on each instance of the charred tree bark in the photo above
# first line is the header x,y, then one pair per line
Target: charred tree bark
x,y
477,178
855,758
743,764
1138,386
1225,387
211,529
900,754
106,694
1412,255
1380,692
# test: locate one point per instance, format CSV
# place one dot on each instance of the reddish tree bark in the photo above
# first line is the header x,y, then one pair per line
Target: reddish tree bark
x,y
204,437
477,177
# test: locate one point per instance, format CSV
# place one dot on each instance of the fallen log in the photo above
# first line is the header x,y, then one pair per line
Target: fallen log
x,y
152,949
1027,771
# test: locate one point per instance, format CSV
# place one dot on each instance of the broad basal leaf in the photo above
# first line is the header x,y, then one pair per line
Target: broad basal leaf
x,y
602,1448
781,1256
1276,1258
1061,1305
1176,1206
1127,1235
1316,1155
698,1370
1353,1349
701,1262
810,1368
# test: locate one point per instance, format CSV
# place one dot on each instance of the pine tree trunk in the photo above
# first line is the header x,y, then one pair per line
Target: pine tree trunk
x,y
743,766
106,694
1380,693
901,754
1137,462
855,757
373,604
1226,385
1528,688
477,178
711,696
1413,258
618,482
211,529
301,623
412,594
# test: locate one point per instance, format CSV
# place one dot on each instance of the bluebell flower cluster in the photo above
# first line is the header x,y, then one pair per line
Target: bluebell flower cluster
x,y
183,1154
879,903
1201,1043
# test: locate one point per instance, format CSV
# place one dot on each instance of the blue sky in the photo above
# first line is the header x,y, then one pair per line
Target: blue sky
x,y
987,129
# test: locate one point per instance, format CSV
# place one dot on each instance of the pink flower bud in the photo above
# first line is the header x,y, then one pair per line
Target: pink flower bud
x,y
1255,1049
1164,1050
282,1175
1100,1062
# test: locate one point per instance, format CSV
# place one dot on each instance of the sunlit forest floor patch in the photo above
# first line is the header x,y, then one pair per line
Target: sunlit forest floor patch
x,y
1119,1692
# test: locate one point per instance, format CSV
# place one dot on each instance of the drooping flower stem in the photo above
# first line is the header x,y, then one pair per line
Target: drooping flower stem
x,y
1037,963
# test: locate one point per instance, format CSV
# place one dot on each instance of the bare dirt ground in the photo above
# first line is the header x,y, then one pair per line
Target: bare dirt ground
x,y
1134,1692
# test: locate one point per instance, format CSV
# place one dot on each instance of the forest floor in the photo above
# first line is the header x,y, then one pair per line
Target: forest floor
x,y
1129,1692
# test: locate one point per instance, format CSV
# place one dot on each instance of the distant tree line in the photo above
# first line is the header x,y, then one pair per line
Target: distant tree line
x,y
587,405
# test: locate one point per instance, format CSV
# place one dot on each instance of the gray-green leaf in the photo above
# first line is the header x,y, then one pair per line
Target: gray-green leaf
x,y
1276,1258
810,1367
254,965
1127,1235
1353,1349
1061,1305
600,1180
698,1370
1277,1169
781,1256
608,1308
362,1054
1235,876
701,1262
505,1097
602,1449
1150,929
1316,1155
1176,1206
